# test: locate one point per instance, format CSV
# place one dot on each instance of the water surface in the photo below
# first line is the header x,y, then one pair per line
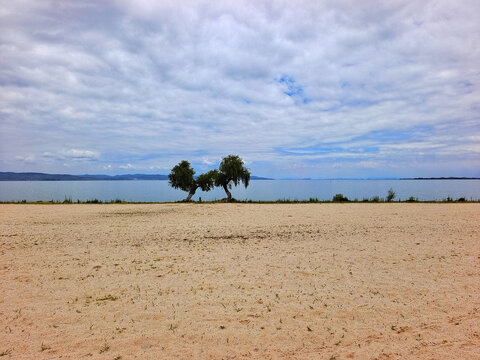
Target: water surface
x,y
259,190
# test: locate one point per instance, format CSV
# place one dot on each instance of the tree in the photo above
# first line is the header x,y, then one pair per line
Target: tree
x,y
182,177
231,170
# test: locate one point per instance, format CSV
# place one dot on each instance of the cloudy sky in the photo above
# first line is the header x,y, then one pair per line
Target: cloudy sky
x,y
315,89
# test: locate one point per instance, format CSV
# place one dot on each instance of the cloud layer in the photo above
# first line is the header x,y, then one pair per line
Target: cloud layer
x,y
309,88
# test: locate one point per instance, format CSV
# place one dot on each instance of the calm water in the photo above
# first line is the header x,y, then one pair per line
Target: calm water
x,y
266,190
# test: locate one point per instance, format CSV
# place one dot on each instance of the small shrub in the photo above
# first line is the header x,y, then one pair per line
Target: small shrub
x,y
412,199
313,200
339,198
391,195
462,199
94,201
375,199
448,199
68,200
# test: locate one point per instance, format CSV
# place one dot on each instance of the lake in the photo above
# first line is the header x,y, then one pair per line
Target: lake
x,y
260,190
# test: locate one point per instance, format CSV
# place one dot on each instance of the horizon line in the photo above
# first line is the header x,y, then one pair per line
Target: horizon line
x,y
253,176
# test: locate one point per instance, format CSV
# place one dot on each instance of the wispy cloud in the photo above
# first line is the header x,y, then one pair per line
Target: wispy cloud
x,y
80,154
387,88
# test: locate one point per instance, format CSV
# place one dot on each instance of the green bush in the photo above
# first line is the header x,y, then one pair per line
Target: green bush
x,y
94,201
339,198
391,195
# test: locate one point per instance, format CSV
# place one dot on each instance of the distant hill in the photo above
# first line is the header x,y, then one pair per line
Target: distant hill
x,y
253,177
442,178
32,176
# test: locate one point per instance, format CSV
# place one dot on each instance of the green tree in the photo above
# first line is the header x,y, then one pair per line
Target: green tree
x,y
231,170
182,177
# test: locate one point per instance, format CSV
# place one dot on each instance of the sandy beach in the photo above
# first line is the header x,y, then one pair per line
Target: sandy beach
x,y
239,281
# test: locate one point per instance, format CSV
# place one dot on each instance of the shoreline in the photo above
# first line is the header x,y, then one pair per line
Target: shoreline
x,y
96,201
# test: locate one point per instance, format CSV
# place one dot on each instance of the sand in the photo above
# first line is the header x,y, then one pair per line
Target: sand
x,y
239,281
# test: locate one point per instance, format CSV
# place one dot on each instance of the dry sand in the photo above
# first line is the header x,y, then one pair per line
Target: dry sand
x,y
235,281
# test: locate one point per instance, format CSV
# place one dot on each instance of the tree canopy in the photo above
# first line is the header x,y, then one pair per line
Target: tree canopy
x,y
182,177
231,170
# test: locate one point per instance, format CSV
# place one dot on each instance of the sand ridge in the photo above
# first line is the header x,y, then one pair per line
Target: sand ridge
x,y
234,281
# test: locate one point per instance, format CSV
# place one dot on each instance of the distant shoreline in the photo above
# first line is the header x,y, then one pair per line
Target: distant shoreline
x,y
441,178
33,176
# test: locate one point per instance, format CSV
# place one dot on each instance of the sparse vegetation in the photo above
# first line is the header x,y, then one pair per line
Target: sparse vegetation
x,y
108,298
279,201
104,348
6,352
337,198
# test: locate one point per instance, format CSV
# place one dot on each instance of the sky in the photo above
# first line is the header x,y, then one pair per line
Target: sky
x,y
318,89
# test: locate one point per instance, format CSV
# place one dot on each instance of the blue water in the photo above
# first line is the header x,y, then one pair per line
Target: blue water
x,y
264,190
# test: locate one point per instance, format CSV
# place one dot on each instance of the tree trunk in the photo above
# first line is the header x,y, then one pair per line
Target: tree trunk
x,y
190,194
229,194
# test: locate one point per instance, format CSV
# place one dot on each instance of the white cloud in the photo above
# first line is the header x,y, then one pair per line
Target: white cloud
x,y
206,161
127,166
81,154
30,158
